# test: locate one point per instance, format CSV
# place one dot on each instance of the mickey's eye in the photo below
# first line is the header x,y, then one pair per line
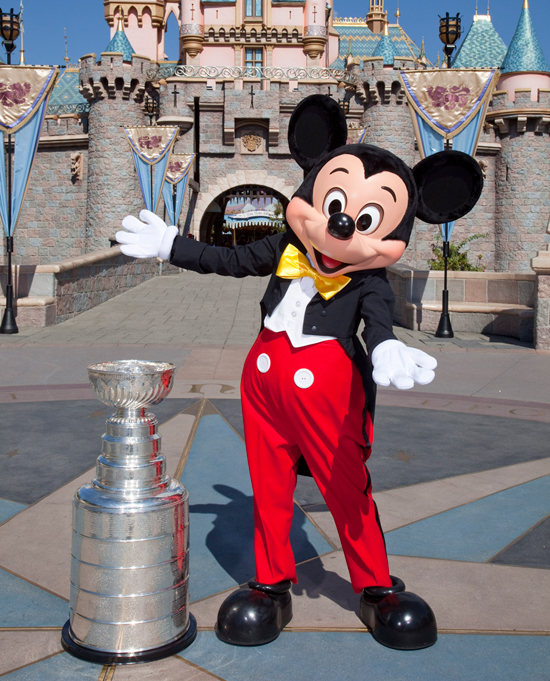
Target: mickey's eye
x,y
335,202
369,219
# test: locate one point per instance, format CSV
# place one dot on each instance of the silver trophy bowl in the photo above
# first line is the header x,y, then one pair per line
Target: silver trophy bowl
x,y
130,549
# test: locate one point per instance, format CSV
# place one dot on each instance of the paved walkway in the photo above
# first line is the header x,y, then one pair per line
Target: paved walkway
x,y
461,472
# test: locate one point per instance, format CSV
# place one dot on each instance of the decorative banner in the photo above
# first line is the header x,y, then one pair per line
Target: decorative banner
x,y
173,191
448,99
152,149
24,93
448,104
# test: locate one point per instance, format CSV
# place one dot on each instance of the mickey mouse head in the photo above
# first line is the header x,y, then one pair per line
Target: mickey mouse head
x,y
355,209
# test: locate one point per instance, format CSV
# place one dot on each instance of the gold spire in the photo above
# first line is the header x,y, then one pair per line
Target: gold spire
x,y
525,5
386,24
67,60
120,24
397,15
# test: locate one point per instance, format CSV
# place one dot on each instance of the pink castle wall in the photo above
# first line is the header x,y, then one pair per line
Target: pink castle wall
x,y
288,16
217,55
520,81
287,57
225,16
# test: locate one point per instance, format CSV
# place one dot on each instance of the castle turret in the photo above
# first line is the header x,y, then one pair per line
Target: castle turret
x,y
315,31
114,86
519,113
144,23
376,18
191,31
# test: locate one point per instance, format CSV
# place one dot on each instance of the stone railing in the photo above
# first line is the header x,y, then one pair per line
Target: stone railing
x,y
50,294
258,72
64,109
500,303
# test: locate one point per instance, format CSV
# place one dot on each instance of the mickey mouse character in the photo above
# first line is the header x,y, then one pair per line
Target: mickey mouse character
x,y
308,387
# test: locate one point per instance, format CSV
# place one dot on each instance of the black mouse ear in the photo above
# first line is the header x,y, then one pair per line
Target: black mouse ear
x,y
449,185
317,126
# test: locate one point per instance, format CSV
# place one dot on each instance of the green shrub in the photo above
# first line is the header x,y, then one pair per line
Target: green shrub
x,y
456,261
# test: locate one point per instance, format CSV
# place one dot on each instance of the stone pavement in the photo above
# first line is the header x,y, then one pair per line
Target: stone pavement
x,y
460,468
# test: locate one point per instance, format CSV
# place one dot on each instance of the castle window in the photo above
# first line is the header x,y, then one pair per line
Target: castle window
x,y
253,8
253,60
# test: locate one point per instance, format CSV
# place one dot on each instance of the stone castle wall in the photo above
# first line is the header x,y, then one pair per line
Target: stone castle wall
x,y
52,223
64,216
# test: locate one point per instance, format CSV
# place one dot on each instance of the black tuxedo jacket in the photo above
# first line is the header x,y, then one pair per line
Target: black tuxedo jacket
x,y
368,296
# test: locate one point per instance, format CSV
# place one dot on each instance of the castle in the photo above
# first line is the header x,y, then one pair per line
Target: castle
x,y
243,67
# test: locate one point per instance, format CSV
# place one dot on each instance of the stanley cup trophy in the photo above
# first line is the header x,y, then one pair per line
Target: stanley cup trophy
x,y
130,551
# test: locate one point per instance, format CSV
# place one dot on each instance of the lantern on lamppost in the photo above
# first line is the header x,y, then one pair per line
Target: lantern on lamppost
x,y
150,107
10,28
449,33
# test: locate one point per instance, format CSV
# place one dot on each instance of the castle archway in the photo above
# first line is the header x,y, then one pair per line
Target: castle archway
x,y
243,213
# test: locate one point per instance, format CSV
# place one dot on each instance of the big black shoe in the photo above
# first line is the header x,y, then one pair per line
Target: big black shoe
x,y
397,618
254,616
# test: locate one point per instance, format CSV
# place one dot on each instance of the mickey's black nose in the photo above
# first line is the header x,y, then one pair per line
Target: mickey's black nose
x,y
341,226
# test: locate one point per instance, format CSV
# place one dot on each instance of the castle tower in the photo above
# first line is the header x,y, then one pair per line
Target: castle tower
x,y
191,31
315,31
114,86
376,18
519,113
144,23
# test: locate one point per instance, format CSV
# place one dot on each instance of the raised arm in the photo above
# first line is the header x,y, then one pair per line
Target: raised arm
x,y
149,237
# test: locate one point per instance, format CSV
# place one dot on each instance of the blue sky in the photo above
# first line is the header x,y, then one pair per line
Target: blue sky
x,y
87,30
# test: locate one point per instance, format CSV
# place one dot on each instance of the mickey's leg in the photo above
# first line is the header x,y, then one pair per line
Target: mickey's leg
x,y
332,442
257,615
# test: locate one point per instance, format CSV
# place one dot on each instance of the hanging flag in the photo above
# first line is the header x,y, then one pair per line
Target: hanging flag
x,y
173,191
448,104
24,93
151,148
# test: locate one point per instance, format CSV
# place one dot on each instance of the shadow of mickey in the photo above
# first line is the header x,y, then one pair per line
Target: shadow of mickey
x,y
231,542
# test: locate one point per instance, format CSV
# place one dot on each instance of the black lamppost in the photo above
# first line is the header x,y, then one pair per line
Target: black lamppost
x,y
449,33
9,30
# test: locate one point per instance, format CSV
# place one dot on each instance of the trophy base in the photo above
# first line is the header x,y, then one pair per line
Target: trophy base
x,y
106,657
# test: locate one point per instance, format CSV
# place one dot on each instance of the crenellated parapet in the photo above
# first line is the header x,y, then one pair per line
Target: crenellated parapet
x,y
153,9
522,113
110,77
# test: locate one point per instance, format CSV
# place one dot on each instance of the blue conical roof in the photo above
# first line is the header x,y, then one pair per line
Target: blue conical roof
x,y
120,43
524,53
385,49
482,48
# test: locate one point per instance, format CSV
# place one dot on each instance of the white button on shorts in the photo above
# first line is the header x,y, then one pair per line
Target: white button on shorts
x,y
263,363
303,378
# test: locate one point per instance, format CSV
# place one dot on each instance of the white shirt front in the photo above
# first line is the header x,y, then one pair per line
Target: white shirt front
x,y
290,312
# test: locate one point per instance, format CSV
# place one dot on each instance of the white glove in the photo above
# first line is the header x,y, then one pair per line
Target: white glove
x,y
394,362
148,239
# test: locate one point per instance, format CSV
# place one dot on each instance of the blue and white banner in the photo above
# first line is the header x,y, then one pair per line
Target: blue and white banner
x,y
448,104
24,93
174,188
151,149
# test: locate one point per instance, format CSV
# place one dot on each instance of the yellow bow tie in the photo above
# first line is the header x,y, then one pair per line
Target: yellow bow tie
x,y
294,265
